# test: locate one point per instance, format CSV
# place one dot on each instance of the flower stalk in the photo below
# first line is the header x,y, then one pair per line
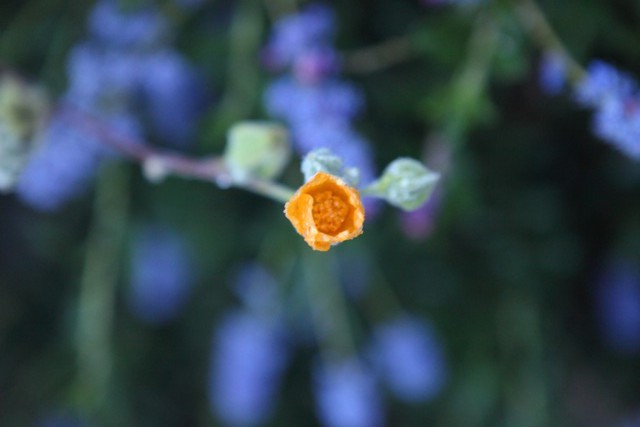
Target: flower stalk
x,y
159,164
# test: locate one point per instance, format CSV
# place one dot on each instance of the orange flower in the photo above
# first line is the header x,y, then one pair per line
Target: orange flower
x,y
325,211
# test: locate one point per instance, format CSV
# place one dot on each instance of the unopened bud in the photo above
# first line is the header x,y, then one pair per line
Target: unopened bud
x,y
323,160
256,149
405,183
23,110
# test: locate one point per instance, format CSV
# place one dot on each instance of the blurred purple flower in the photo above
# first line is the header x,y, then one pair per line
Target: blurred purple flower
x,y
341,139
161,274
409,358
603,81
257,289
420,223
617,303
319,116
106,79
297,103
316,64
172,95
110,24
614,96
102,80
67,160
249,356
62,167
553,72
347,396
618,122
316,105
296,34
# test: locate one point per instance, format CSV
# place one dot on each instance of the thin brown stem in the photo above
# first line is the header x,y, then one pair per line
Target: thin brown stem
x,y
158,164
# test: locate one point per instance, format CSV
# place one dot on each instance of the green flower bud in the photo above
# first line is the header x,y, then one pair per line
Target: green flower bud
x,y
23,109
256,149
405,183
323,160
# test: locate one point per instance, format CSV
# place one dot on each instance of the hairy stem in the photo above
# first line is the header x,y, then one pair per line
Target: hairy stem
x,y
158,164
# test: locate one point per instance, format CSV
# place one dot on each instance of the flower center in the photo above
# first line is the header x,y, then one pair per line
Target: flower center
x,y
329,212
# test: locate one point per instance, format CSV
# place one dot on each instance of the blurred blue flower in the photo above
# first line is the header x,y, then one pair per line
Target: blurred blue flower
x,y
110,24
409,358
257,289
341,139
316,64
61,169
614,96
106,82
106,79
172,95
553,72
161,274
317,106
248,358
617,303
109,75
67,160
296,102
618,121
347,396
296,34
319,116
603,81
102,80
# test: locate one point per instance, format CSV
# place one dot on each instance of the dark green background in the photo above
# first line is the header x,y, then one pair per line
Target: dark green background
x,y
533,206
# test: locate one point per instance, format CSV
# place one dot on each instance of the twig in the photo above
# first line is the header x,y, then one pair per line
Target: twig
x,y
161,163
